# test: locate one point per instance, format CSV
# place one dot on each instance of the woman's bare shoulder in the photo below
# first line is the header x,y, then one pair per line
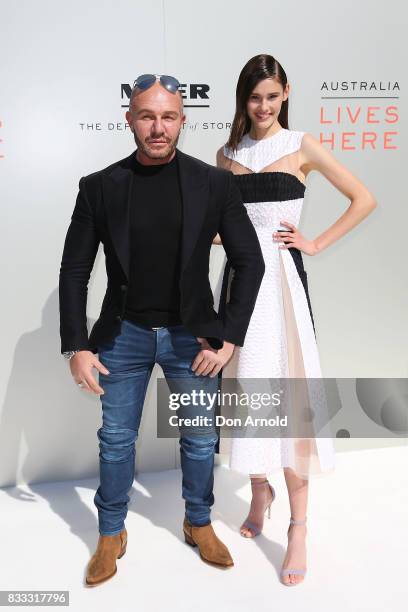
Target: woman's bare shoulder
x,y
222,160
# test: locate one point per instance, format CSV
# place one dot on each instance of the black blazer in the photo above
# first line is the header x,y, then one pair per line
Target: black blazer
x,y
211,203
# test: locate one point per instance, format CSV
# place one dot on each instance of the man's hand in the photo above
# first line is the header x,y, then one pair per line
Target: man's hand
x,y
81,365
210,360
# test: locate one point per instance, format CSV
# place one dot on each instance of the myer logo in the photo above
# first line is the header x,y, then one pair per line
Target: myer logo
x,y
197,93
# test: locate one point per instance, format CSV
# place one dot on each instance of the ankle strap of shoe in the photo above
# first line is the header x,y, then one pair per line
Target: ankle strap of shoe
x,y
260,482
294,522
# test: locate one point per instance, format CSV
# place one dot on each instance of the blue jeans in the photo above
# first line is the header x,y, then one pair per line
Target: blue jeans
x,y
130,358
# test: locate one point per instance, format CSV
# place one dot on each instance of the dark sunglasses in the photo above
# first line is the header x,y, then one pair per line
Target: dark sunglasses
x,y
144,81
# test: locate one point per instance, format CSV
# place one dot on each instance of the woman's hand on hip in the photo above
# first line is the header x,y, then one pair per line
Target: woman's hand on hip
x,y
294,239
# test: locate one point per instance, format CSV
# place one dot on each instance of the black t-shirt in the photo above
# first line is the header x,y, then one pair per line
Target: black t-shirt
x,y
153,298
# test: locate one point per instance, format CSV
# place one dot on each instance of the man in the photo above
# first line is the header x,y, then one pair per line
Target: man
x,y
156,213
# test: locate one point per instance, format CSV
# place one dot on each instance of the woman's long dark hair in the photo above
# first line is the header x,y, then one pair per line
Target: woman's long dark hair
x,y
256,69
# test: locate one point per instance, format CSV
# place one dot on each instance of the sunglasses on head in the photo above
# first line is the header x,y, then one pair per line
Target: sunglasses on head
x,y
144,81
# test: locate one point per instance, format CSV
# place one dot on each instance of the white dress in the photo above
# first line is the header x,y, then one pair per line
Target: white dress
x,y
280,341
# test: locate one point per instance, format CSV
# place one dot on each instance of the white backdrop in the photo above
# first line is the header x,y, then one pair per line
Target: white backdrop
x,y
62,117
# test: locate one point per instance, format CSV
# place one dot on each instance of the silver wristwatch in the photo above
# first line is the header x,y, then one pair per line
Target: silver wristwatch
x,y
69,354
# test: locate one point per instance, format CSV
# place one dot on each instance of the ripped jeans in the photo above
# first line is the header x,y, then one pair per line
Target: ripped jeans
x,y
130,359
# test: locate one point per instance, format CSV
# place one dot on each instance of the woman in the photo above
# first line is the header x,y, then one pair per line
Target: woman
x,y
270,164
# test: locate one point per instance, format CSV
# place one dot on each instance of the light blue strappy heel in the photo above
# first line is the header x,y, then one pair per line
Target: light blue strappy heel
x,y
248,524
288,570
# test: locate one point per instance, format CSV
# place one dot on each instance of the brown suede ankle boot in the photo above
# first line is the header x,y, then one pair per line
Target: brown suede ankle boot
x,y
212,550
102,565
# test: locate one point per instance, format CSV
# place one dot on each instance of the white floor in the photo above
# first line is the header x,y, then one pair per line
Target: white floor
x,y
357,543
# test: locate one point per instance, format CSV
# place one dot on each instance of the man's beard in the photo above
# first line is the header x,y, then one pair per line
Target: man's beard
x,y
153,154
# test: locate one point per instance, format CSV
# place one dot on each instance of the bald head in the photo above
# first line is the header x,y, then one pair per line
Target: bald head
x,y
157,86
155,117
